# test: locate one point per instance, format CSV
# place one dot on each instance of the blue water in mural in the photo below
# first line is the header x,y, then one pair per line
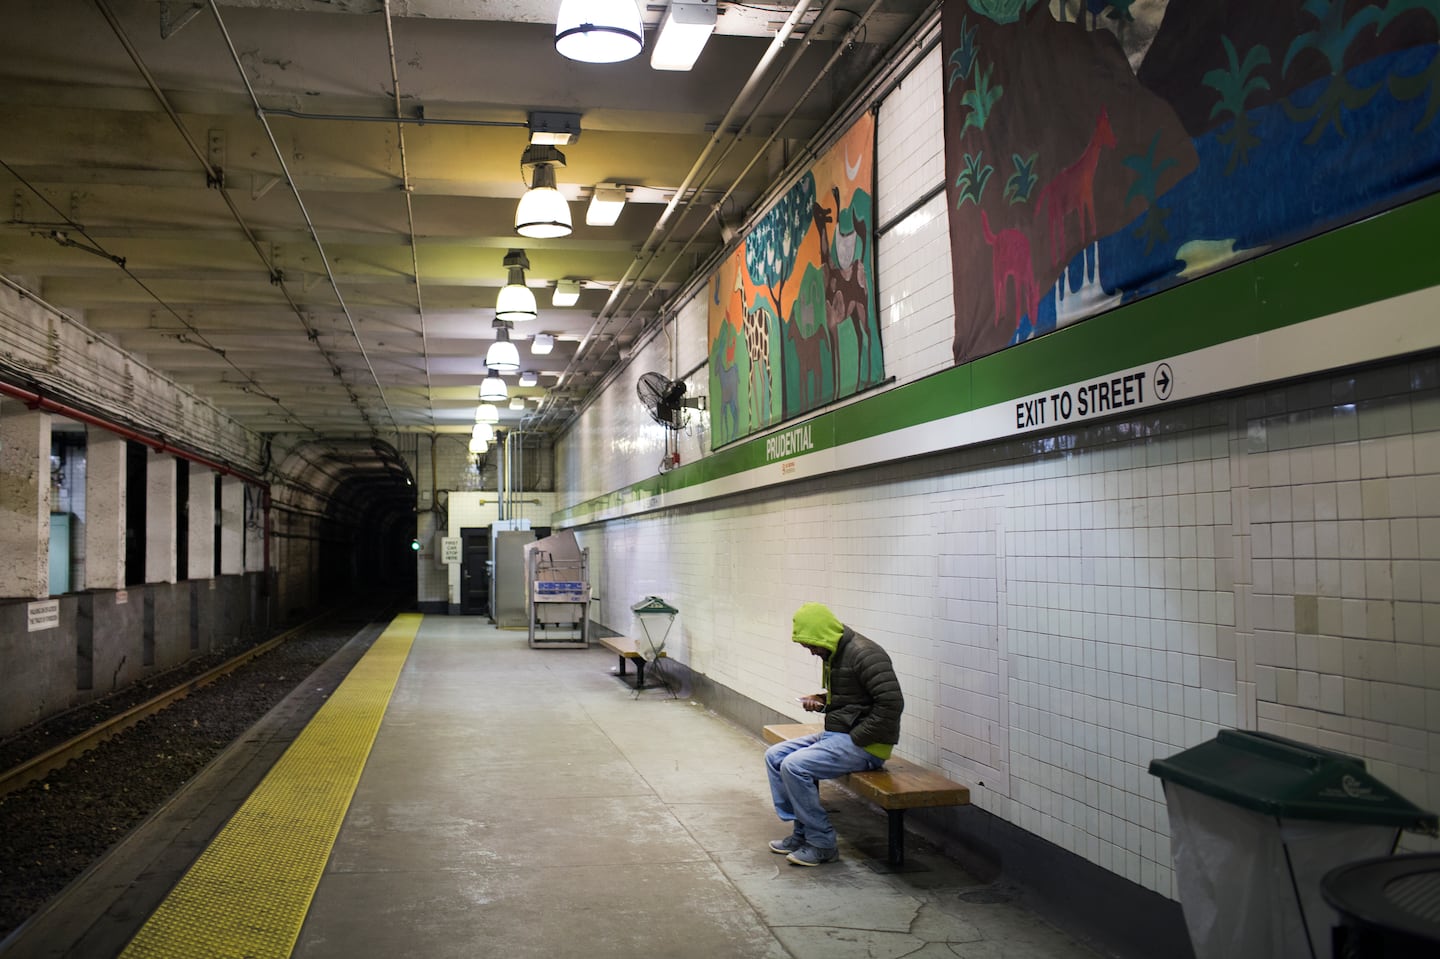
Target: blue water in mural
x,y
1278,197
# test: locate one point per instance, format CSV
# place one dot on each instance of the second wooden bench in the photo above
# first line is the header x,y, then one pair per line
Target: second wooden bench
x,y
624,647
896,787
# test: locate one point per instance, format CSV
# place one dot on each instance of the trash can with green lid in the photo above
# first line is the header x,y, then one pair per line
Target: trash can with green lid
x,y
1255,821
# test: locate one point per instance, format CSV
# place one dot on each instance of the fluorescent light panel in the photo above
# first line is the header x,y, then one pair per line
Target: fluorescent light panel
x,y
684,30
542,343
567,293
605,205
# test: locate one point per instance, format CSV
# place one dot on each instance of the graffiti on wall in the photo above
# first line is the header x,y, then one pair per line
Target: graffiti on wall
x,y
792,311
1098,151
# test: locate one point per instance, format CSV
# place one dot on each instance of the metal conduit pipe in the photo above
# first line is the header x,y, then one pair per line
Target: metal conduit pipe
x,y
309,223
760,151
418,120
657,234
923,36
772,86
409,209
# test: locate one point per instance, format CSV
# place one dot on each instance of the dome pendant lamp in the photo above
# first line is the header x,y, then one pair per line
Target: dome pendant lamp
x,y
599,31
502,357
493,389
516,303
543,212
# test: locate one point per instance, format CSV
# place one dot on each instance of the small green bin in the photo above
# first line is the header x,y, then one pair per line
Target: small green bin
x,y
1255,821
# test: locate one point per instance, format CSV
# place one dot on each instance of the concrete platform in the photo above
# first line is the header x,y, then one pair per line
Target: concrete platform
x,y
519,802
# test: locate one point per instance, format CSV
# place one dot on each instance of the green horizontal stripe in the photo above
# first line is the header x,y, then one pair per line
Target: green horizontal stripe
x,y
1375,259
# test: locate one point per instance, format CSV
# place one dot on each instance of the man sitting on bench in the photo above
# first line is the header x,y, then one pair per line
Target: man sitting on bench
x,y
862,705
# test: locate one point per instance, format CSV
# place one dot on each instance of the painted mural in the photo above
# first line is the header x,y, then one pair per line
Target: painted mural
x,y
793,318
1098,151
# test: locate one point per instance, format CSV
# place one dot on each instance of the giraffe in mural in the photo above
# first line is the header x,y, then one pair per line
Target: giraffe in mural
x,y
756,330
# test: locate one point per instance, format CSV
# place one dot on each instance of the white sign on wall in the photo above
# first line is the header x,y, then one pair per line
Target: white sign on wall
x,y
44,615
450,549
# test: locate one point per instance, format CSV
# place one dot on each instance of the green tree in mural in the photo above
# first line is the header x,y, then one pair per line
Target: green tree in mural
x,y
980,101
1332,37
1427,81
771,247
962,58
970,184
1235,86
1023,180
1003,11
1146,188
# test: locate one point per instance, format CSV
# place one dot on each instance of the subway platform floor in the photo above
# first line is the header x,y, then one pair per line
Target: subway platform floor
x,y
524,802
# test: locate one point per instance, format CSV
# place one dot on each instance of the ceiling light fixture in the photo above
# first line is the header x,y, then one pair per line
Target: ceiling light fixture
x,y
516,303
493,389
686,26
483,432
542,343
487,413
554,129
517,402
502,356
529,378
478,447
605,204
599,31
567,293
543,212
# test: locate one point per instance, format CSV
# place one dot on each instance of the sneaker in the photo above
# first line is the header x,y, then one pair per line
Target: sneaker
x,y
808,855
787,845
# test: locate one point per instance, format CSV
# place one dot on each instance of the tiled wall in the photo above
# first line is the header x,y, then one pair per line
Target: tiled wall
x,y
1063,608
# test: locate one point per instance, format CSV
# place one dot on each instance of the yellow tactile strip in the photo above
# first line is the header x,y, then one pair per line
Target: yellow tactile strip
x,y
248,893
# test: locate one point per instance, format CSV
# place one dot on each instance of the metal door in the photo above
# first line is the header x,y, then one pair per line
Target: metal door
x,y
475,571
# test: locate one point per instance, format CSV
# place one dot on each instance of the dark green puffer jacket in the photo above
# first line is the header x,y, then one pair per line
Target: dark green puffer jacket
x,y
864,694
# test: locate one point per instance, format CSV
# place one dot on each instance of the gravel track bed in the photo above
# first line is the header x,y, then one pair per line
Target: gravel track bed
x,y
52,830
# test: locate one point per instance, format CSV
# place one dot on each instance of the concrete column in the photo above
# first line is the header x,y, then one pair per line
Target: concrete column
x,y
24,501
255,531
160,533
232,526
105,456
202,523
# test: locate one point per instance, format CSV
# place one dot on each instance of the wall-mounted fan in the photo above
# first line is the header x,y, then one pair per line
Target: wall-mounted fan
x,y
665,400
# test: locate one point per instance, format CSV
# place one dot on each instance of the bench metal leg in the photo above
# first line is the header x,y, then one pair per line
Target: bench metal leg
x,y
897,836
622,665
639,674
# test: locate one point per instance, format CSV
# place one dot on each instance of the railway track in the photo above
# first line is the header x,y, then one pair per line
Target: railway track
x,y
62,807
56,757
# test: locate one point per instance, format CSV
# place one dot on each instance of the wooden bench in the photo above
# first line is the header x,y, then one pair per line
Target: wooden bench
x,y
896,787
624,647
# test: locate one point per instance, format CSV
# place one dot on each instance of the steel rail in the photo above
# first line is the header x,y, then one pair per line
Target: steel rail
x,y
56,757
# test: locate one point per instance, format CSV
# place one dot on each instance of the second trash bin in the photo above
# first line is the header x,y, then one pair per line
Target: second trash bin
x,y
1255,821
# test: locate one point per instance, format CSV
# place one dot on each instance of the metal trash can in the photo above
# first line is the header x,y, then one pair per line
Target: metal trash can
x,y
1255,821
1389,907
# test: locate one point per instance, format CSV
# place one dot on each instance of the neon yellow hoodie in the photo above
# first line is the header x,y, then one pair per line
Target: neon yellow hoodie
x,y
862,693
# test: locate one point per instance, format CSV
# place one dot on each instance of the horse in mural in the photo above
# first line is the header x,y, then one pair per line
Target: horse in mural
x,y
1073,189
809,357
847,299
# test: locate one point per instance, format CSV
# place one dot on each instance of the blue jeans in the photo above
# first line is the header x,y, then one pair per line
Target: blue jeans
x,y
796,767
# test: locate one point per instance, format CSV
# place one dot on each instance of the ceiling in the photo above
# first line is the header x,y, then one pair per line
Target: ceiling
x,y
223,188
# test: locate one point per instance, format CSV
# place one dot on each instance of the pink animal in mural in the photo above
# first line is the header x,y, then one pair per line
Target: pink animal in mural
x,y
847,300
1073,189
1010,259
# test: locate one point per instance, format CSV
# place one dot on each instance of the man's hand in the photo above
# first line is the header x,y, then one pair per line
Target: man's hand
x,y
813,704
